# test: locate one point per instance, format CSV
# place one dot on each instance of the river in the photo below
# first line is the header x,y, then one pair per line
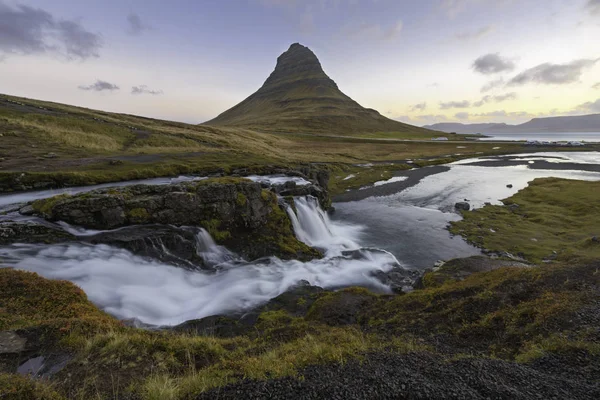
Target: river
x,y
396,225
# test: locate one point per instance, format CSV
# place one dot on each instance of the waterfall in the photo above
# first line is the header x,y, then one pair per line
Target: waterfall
x,y
312,226
211,253
156,293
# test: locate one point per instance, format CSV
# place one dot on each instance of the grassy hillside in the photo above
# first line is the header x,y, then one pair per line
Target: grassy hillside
x,y
72,145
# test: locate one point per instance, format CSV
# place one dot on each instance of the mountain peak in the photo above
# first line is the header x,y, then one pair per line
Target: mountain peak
x,y
299,96
297,63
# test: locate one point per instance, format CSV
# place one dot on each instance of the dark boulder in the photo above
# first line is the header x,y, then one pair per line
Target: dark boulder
x,y
399,280
462,206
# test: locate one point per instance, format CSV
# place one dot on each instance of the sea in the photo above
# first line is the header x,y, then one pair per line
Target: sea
x,y
590,137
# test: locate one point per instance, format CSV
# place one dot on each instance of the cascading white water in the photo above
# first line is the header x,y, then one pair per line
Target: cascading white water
x,y
211,253
313,227
130,286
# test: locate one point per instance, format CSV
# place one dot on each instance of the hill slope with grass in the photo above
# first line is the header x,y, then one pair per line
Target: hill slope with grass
x,y
300,97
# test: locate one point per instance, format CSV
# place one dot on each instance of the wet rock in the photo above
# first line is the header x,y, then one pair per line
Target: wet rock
x,y
27,210
169,244
31,232
462,206
399,280
41,367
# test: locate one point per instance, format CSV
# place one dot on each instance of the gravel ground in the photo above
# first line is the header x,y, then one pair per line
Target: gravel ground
x,y
417,376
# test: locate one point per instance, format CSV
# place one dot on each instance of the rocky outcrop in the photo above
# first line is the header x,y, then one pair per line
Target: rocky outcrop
x,y
237,213
221,204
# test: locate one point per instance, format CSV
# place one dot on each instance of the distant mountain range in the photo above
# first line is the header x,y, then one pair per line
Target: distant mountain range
x,y
580,123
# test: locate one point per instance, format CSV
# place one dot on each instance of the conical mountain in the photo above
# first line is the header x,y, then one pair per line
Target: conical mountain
x,y
299,97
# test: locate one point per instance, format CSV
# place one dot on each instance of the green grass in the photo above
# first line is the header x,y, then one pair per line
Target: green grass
x,y
552,219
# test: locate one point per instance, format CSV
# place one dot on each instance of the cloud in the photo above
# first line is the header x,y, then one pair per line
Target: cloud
x,y
492,85
462,115
596,86
593,6
135,25
374,31
557,74
453,7
590,106
454,104
473,35
25,30
492,63
419,107
143,89
495,99
100,86
504,97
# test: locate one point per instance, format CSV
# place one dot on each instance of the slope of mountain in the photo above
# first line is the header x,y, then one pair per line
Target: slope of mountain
x,y
299,97
579,123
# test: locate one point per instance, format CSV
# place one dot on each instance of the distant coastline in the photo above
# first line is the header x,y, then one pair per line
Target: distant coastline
x,y
572,124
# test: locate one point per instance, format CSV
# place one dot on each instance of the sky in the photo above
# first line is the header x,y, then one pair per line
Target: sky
x,y
417,61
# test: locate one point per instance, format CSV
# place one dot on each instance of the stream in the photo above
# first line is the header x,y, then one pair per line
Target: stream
x,y
394,225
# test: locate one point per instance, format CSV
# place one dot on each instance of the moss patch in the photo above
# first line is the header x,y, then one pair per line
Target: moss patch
x,y
138,215
45,206
213,227
241,200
